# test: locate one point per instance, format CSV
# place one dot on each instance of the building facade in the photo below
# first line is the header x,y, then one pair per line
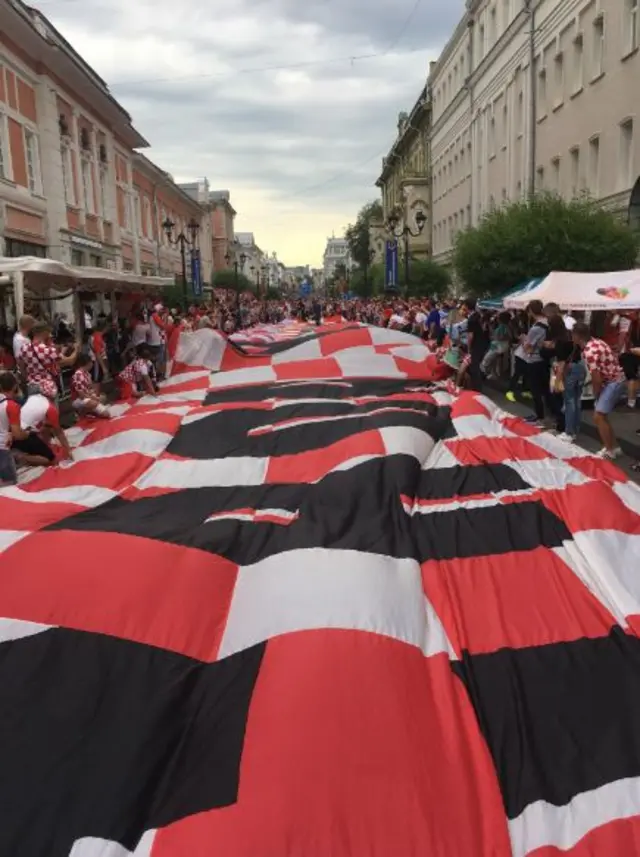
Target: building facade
x,y
73,183
336,254
535,95
405,181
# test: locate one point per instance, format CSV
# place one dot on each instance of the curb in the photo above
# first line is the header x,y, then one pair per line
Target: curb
x,y
630,446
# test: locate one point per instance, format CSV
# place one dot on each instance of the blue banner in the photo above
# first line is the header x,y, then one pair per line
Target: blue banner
x,y
305,288
391,266
196,274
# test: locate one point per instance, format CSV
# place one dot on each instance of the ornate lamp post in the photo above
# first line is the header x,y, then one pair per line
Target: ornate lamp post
x,y
193,228
404,232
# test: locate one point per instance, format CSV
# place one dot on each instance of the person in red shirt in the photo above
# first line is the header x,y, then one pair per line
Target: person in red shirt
x,y
84,395
136,379
608,385
7,360
99,349
15,435
42,362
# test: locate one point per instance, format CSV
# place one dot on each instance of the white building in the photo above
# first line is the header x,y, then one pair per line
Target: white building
x,y
558,111
336,253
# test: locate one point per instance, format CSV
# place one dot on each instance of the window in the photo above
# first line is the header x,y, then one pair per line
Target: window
x,y
4,166
574,161
493,27
597,50
558,84
103,192
77,258
542,93
594,166
519,189
540,177
577,76
480,41
67,176
520,113
492,137
506,13
555,174
626,153
147,218
33,160
631,25
505,124
87,186
137,215
503,195
127,211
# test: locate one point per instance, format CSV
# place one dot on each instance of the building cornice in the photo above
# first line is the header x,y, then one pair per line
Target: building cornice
x,y
161,178
413,127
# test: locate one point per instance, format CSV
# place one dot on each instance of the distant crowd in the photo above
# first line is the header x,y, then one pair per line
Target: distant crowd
x,y
548,358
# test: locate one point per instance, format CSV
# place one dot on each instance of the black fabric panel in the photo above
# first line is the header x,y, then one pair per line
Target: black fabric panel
x,y
357,509
559,719
340,389
487,530
109,738
226,434
463,481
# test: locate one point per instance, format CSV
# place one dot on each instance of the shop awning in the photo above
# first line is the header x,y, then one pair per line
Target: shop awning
x,y
42,274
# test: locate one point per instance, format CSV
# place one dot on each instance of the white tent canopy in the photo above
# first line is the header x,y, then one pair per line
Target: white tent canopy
x,y
618,290
40,274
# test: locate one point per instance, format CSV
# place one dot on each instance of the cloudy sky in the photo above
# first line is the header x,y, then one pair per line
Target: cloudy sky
x,y
290,104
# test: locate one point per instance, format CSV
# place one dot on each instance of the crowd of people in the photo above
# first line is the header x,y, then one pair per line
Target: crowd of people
x,y
547,356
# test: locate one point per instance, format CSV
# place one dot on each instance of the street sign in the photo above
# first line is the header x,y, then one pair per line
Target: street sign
x,y
391,266
196,274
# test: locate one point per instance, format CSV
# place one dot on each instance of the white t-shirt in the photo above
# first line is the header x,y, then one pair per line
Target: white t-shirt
x,y
569,322
420,318
36,411
156,333
140,334
19,342
397,320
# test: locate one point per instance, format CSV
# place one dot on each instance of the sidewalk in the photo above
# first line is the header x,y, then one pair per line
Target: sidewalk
x,y
624,421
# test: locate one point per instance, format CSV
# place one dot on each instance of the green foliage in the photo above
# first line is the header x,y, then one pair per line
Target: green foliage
x,y
428,279
357,234
226,279
545,233
273,294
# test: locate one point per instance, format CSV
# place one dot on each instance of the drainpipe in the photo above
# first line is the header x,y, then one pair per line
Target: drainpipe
x,y
472,130
529,7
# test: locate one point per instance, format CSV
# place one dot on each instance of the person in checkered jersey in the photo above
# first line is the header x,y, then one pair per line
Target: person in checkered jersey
x,y
85,398
41,362
608,385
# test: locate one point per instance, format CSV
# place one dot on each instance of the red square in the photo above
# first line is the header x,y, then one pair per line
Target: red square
x,y
355,745
514,600
316,463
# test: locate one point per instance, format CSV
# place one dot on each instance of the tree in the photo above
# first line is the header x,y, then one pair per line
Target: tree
x,y
428,279
226,279
528,239
357,234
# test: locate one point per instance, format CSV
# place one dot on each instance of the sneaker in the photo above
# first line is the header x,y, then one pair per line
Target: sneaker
x,y
510,396
609,454
527,395
567,438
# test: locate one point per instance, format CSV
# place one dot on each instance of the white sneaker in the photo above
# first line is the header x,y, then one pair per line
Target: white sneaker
x,y
567,438
610,454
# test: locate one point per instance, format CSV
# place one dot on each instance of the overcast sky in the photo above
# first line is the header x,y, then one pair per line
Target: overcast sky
x,y
278,101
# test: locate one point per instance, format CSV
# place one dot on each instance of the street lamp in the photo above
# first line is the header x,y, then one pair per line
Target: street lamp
x,y
193,228
405,232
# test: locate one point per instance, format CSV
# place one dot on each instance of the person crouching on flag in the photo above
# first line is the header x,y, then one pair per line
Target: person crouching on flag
x,y
138,378
39,421
85,398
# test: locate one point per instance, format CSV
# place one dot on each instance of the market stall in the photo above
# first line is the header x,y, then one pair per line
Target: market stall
x,y
618,290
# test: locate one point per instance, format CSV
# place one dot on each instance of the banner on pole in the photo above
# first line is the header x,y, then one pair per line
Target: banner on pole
x,y
391,266
196,274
